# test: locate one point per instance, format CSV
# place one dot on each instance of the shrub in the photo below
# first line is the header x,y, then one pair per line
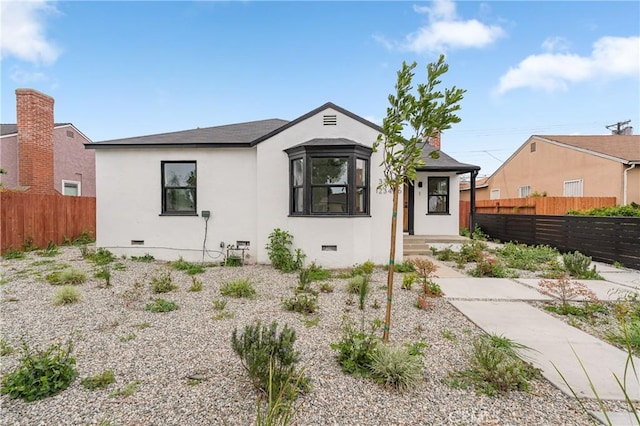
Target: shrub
x,y
445,255
49,251
101,256
317,273
233,261
280,253
66,295
489,267
405,266
630,210
530,258
471,252
104,273
13,254
239,288
147,258
66,277
219,304
432,289
424,267
363,292
408,280
163,283
366,268
565,290
356,350
268,356
196,284
161,305
423,302
395,367
354,284
302,303
83,239
326,288
5,348
577,264
495,367
189,268
98,381
41,373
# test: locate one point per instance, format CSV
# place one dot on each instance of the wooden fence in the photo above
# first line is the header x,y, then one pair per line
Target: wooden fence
x,y
606,239
43,218
533,205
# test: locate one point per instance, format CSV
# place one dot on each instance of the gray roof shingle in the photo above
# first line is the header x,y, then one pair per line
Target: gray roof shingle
x,y
444,163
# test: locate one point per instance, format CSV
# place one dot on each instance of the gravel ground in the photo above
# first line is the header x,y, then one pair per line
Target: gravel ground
x,y
191,341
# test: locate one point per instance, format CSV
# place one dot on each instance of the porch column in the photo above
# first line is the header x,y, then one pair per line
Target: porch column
x,y
472,214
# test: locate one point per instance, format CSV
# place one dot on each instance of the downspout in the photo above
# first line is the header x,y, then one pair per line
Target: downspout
x,y
624,183
472,201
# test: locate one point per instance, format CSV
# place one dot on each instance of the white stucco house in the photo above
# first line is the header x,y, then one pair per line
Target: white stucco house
x,y
193,193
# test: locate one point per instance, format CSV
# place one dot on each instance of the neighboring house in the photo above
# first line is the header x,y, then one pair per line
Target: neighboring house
x,y
43,157
193,193
569,166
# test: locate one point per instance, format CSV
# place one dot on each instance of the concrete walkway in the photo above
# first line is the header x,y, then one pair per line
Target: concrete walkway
x,y
499,306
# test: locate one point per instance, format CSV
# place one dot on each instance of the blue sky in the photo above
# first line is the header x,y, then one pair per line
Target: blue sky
x,y
121,69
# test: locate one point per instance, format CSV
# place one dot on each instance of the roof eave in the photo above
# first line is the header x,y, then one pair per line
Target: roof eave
x,y
101,145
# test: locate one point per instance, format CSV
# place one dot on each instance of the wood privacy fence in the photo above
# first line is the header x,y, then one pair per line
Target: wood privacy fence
x,y
606,239
533,205
43,218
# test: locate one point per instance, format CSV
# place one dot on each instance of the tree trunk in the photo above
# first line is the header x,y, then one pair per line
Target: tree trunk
x,y
392,257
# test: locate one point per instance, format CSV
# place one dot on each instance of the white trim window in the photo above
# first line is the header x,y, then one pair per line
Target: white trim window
x,y
72,188
494,194
572,188
524,191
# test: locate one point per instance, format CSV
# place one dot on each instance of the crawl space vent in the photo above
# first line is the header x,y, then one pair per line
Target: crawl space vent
x,y
137,242
330,120
329,248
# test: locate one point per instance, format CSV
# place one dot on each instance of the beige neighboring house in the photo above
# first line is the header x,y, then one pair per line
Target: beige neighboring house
x,y
568,166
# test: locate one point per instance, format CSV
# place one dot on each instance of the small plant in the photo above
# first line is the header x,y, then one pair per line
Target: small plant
x,y
161,305
239,288
448,334
233,261
66,295
356,350
163,283
489,267
424,267
41,373
406,266
354,284
396,368
105,273
317,273
279,250
5,348
147,258
565,290
98,381
302,303
66,277
326,288
408,280
189,268
280,409
432,289
219,304
129,337
445,255
530,258
424,302
83,239
29,245
577,264
49,251
366,268
133,294
100,257
128,390
196,284
13,254
142,325
363,292
269,358
311,322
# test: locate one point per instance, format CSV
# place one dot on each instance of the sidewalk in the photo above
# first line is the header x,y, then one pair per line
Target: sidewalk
x,y
498,306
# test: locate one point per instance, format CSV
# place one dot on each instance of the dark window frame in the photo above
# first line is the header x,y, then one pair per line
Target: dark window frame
x,y
430,194
163,190
349,152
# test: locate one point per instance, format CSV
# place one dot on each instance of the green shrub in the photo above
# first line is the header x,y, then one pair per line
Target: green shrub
x,y
471,252
66,295
13,254
233,261
530,258
363,291
489,267
406,266
29,245
495,367
354,284
83,239
356,350
302,303
432,289
326,288
219,304
280,253
366,268
566,290
317,273
101,256
105,273
147,258
395,367
577,264
239,288
5,348
128,390
189,268
41,373
408,280
196,284
66,277
161,305
630,210
269,358
98,381
446,255
163,283
49,251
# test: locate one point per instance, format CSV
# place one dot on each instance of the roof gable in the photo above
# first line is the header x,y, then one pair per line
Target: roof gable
x,y
625,148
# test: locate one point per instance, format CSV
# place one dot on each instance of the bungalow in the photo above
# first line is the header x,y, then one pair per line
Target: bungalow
x,y
199,193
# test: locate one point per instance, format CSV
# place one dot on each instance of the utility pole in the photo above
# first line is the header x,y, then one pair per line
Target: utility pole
x,y
617,129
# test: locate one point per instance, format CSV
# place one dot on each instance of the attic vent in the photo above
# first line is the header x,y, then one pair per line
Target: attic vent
x,y
330,120
533,147
70,134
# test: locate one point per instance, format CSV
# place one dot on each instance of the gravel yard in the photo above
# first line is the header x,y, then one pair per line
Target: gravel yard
x,y
162,350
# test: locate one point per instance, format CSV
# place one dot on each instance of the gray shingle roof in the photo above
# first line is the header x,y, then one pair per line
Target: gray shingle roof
x,y
228,135
327,142
444,163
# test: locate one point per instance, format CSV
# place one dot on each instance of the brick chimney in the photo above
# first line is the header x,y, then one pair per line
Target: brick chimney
x,y
434,139
35,141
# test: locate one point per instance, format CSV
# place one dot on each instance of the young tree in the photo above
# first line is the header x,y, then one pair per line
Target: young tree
x,y
422,115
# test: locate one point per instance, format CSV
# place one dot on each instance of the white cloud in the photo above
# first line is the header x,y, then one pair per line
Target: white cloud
x,y
611,57
23,31
445,30
21,76
555,44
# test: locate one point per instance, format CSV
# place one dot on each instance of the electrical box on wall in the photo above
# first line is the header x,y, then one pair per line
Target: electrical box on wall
x,y
206,213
